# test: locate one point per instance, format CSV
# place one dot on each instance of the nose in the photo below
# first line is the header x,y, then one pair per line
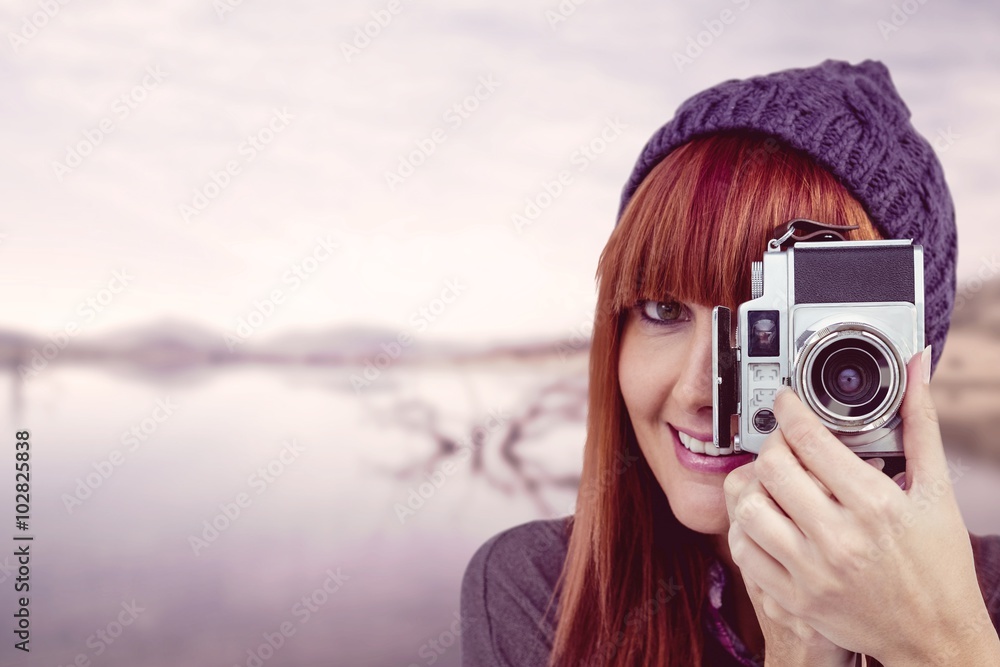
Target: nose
x,y
693,391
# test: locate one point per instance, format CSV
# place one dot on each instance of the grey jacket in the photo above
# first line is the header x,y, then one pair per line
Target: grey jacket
x,y
507,585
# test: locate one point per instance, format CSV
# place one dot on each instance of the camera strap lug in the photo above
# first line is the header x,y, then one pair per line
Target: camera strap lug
x,y
802,229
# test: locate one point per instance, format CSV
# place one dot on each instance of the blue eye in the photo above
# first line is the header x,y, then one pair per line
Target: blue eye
x,y
661,312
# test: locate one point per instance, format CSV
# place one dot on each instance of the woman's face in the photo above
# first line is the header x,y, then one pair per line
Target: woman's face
x,y
665,372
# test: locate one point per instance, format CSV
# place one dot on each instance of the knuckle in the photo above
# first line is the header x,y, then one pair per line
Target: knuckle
x,y
807,435
812,441
880,505
765,463
845,556
798,604
737,544
829,591
771,608
841,555
732,486
930,412
747,508
812,601
770,442
796,428
828,539
771,465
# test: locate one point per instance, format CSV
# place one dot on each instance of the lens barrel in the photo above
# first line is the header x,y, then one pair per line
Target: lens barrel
x,y
852,376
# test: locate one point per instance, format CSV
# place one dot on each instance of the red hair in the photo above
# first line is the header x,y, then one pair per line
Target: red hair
x,y
633,583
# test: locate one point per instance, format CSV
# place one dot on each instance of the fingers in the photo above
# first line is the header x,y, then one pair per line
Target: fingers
x,y
798,492
757,565
921,433
733,486
758,516
820,452
900,479
768,526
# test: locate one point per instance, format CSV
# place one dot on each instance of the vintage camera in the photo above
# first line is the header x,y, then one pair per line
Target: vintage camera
x,y
836,321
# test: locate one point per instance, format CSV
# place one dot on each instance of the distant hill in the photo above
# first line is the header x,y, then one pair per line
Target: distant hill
x,y
966,383
978,309
172,344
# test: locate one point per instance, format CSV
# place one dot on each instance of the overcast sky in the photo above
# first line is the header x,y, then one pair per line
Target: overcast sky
x,y
116,115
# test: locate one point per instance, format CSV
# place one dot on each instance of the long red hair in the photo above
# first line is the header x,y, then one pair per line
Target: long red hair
x,y
633,583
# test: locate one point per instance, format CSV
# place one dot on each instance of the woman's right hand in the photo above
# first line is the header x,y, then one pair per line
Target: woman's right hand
x,y
789,641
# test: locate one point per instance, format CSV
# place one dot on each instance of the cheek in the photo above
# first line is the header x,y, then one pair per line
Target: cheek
x,y
647,372
638,388
646,375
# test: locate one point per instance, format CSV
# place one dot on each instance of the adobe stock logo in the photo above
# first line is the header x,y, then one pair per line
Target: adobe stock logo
x,y
455,115
231,511
703,39
31,25
247,151
420,320
899,17
419,495
103,469
121,108
545,196
89,309
267,305
365,34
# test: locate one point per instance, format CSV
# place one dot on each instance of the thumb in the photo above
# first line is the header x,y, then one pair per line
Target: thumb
x,y
922,444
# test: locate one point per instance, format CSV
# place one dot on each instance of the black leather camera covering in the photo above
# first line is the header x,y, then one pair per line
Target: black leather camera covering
x,y
726,391
851,275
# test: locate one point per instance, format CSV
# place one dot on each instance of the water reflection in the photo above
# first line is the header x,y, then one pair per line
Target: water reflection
x,y
279,511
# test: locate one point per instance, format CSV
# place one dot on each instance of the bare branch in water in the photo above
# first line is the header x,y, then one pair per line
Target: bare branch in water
x,y
551,406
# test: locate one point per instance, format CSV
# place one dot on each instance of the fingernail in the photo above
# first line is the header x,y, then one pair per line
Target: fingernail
x,y
900,479
878,463
925,364
781,390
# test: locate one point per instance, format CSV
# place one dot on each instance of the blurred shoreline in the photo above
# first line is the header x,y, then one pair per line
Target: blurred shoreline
x,y
966,384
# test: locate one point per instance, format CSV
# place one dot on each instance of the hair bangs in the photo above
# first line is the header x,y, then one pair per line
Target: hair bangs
x,y
707,211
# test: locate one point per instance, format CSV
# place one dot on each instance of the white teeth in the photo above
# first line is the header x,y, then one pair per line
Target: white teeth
x,y
696,446
699,447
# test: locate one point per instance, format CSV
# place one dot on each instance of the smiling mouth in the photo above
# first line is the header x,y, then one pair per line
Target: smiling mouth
x,y
699,447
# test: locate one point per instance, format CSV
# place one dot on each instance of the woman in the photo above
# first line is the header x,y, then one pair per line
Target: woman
x,y
808,555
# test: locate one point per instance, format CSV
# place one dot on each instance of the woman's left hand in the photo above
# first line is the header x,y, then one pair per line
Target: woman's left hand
x,y
876,569
788,640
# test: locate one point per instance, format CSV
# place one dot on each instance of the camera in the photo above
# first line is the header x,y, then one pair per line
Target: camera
x,y
834,320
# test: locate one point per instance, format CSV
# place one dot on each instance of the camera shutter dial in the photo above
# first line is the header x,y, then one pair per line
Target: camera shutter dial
x,y
764,421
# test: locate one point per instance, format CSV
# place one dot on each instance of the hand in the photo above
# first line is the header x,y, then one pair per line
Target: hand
x,y
874,568
788,640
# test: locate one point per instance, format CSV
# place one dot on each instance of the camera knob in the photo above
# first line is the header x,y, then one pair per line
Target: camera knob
x,y
757,280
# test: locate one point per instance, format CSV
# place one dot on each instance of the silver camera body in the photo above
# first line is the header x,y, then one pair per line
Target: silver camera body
x,y
837,321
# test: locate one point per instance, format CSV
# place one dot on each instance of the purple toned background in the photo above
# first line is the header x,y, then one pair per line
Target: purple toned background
x,y
332,292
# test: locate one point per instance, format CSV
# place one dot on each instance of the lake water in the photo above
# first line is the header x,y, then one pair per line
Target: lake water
x,y
322,470
328,509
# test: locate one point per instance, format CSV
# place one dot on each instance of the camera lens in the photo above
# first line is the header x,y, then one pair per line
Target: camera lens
x,y
851,375
848,380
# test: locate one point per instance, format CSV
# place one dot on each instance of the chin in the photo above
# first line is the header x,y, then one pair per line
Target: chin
x,y
702,510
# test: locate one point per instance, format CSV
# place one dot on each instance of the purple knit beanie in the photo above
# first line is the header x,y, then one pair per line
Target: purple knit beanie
x,y
850,119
